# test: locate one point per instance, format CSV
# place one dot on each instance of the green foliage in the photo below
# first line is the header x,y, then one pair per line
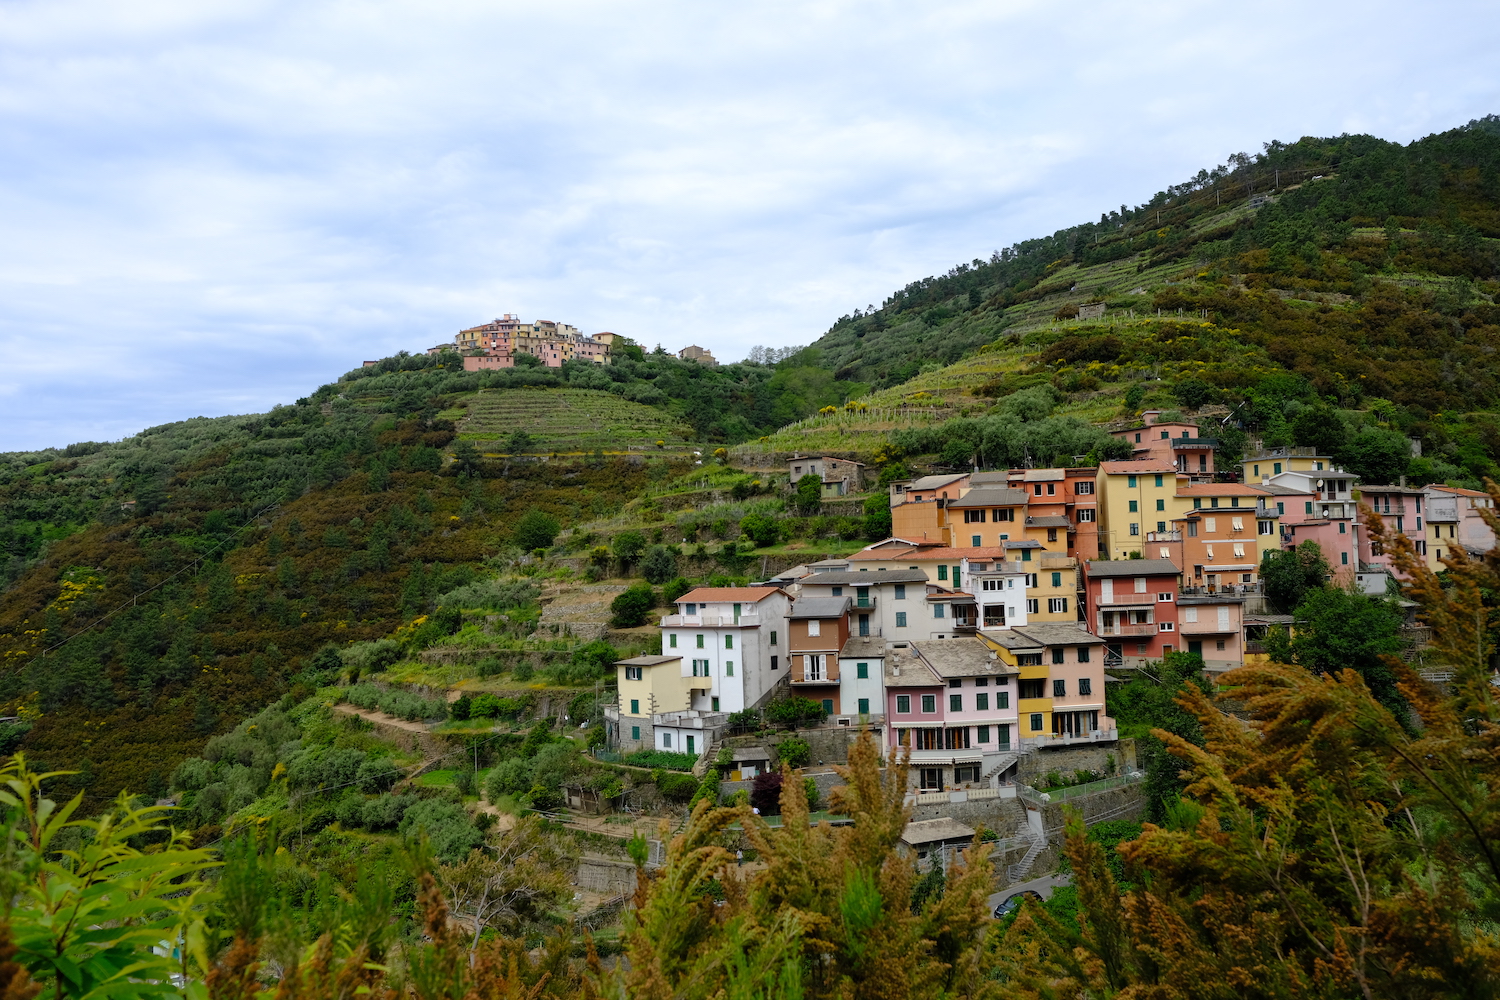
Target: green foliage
x,y
1339,629
659,565
447,827
491,595
795,711
632,606
674,589
877,521
794,751
662,759
1149,700
590,662
394,701
536,529
809,494
1289,574
676,787
761,529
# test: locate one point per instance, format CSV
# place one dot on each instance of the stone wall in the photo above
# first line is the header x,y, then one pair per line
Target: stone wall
x,y
1033,767
829,744
605,875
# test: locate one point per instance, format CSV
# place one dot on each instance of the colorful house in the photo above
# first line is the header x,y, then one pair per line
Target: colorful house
x,y
1132,606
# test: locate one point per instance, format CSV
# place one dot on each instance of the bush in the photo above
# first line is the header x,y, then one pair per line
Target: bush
x,y
372,657
677,787
402,704
794,752
386,811
590,662
486,706
491,595
535,530
377,774
449,830
796,711
810,787
760,529
765,794
462,708
809,495
662,759
675,589
512,777
632,606
659,565
523,671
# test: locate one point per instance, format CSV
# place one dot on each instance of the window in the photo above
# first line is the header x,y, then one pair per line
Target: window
x,y
700,642
900,591
955,682
1280,507
666,741
1057,605
1158,482
1004,515
1057,654
1164,627
635,708
1034,688
1192,529
903,703
1033,605
1135,529
1036,720
728,668
1002,699
838,591
1164,598
982,704
1344,558
862,671
1211,525
1133,507
929,704
1237,524
974,516
1307,507
729,642
700,668
814,627
1213,501
713,704
1197,503
937,610
1219,645
1086,685
1276,468
633,673
1086,516
1083,489
1030,579
901,619
983,735
942,572
1265,527
981,682
1059,688
1164,436
975,541
955,703
864,706
1137,441
1161,504
955,574
635,732
1131,482
1161,525
773,637
672,640
1341,530
692,609
1257,470
1083,656
774,664
1051,534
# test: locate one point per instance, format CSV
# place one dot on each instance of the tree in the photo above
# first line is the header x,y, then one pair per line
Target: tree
x,y
761,529
1376,455
632,606
795,711
535,530
659,564
1289,574
877,524
809,495
519,442
1339,629
674,589
794,752
628,546
466,458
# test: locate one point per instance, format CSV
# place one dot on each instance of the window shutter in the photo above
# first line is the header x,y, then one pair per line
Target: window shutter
x,y
1140,585
1107,590
1223,617
1190,614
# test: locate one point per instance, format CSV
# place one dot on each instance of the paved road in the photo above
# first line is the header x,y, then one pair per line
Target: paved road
x,y
1042,886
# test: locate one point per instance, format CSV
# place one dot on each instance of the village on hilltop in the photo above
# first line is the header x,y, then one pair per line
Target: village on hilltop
x,y
495,345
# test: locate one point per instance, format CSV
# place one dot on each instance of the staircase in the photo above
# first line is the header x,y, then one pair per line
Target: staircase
x,y
1018,872
706,759
1006,759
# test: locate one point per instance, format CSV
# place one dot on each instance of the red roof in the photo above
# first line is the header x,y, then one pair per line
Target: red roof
x,y
935,552
1459,490
744,595
1135,468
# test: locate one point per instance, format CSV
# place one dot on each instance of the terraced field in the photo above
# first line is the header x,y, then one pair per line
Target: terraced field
x,y
569,422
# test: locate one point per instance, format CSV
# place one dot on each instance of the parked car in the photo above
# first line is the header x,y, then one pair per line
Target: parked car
x,y
1013,903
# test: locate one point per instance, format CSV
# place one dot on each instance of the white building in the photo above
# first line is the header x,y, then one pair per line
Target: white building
x,y
1000,590
887,603
862,680
735,638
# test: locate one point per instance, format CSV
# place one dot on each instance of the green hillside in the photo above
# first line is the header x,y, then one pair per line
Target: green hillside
x,y
565,422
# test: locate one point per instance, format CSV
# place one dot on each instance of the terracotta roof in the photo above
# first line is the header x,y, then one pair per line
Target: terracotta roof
x,y
991,496
711,595
1459,490
1146,467
1220,490
944,552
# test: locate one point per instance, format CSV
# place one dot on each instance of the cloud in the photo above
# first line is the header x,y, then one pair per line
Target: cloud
x,y
212,208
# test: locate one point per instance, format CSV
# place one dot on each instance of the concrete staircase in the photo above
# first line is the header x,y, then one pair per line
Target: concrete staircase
x,y
706,759
1018,871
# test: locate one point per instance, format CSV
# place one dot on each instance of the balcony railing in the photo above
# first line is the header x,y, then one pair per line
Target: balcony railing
x,y
972,756
1111,660
863,603
1208,626
1147,629
1062,740
1163,536
814,677
1222,589
1131,598
1059,562
708,621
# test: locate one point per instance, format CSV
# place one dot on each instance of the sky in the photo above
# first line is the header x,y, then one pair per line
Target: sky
x,y
211,208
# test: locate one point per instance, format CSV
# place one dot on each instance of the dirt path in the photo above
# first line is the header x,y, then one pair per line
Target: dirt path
x,y
381,718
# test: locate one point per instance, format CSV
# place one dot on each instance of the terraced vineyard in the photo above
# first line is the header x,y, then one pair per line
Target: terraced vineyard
x,y
569,422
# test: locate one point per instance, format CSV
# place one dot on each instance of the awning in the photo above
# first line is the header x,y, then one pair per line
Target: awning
x,y
1233,568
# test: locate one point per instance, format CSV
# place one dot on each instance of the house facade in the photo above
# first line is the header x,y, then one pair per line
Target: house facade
x,y
1176,443
888,603
732,637
1060,683
817,628
1132,606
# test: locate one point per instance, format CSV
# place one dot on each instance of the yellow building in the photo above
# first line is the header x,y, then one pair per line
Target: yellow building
x,y
1136,499
1273,462
649,686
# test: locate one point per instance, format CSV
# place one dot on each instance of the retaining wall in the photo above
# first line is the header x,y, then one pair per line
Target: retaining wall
x,y
1082,757
605,875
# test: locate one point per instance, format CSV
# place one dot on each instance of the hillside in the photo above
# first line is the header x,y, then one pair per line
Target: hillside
x,y
161,588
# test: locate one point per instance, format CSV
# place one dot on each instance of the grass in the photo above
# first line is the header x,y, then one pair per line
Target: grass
x,y
570,422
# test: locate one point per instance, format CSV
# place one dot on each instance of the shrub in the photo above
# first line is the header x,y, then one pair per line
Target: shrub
x,y
463,780
462,708
386,811
765,794
675,589
512,777
372,657
491,595
449,830
523,671
677,787
377,774
795,711
810,787
535,530
632,606
662,758
486,706
760,529
794,752
809,495
544,797
659,565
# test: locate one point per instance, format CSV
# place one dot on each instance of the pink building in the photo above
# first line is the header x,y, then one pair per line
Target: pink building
x,y
489,362
1174,442
1400,507
1212,626
1454,521
953,704
1132,606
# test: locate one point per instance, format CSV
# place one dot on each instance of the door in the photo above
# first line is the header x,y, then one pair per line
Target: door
x,y
864,624
1195,646
828,706
691,748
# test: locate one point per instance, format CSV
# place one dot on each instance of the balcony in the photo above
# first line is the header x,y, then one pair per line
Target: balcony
x,y
1059,562
1132,598
1222,590
709,621
1138,630
691,719
1093,736
1163,536
863,603
811,677
698,683
973,756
